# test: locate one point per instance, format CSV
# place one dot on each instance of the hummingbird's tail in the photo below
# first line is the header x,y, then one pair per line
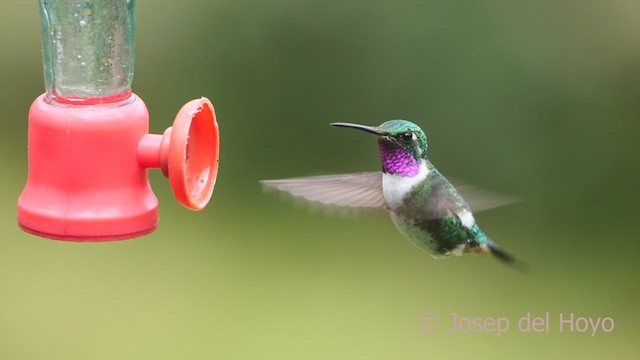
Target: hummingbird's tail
x,y
507,258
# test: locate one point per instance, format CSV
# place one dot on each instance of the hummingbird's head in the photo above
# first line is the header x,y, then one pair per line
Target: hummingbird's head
x,y
402,144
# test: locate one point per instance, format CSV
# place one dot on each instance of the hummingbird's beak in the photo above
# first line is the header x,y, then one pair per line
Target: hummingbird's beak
x,y
369,129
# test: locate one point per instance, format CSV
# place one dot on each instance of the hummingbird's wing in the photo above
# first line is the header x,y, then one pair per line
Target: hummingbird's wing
x,y
351,190
450,197
480,199
442,200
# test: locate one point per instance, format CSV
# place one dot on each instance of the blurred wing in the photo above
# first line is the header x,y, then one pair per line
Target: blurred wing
x,y
447,198
351,190
444,199
480,199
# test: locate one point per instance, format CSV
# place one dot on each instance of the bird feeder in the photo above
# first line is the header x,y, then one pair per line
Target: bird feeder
x,y
89,145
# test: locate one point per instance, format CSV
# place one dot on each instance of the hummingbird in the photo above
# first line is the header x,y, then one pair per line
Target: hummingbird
x,y
424,206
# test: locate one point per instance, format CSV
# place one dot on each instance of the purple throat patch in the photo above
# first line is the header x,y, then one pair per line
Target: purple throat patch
x,y
396,160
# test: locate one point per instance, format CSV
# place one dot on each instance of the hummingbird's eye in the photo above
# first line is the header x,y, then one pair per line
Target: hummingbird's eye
x,y
406,137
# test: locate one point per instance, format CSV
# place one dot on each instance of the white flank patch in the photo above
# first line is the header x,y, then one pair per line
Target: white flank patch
x,y
466,217
396,187
459,250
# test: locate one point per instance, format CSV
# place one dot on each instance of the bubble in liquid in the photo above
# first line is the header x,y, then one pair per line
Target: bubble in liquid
x,y
83,23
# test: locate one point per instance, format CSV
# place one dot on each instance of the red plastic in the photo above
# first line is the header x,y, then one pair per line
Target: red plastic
x,y
88,168
187,153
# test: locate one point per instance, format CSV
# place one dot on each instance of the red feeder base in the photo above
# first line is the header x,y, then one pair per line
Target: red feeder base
x,y
88,175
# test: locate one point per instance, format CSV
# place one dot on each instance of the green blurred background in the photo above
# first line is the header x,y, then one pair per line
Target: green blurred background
x,y
534,99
